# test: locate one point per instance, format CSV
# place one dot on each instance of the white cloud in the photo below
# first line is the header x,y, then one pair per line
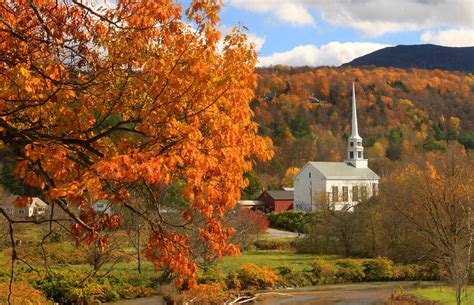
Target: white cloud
x,y
292,12
331,54
258,41
375,17
460,37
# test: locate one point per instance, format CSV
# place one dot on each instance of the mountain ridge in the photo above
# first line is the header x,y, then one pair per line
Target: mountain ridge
x,y
423,56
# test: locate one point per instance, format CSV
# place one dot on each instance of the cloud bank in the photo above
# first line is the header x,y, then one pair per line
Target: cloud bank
x,y
331,54
292,12
370,17
461,37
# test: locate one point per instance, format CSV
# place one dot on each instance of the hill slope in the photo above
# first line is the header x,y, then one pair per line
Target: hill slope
x,y
425,56
402,114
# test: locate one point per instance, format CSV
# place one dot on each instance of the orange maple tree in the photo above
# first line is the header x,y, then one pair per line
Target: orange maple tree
x,y
102,100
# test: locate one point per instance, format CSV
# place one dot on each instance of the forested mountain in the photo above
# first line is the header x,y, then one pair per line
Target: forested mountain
x,y
306,112
425,56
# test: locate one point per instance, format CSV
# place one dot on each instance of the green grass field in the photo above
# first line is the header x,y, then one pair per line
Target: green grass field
x,y
444,294
271,259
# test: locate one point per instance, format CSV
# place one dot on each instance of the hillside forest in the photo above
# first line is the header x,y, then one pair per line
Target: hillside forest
x,y
402,114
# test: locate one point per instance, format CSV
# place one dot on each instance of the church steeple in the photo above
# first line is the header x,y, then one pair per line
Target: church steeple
x,y
355,150
355,130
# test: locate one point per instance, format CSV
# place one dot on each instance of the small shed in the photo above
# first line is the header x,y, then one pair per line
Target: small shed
x,y
251,205
277,201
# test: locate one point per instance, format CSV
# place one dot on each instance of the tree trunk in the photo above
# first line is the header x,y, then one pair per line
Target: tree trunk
x,y
458,294
372,226
138,250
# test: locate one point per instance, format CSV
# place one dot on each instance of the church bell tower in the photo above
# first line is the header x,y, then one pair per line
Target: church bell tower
x,y
355,150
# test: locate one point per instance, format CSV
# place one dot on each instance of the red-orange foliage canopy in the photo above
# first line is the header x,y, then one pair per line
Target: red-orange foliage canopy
x,y
99,100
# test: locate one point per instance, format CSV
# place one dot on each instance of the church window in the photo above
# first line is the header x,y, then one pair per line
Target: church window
x,y
345,193
355,193
309,175
359,154
374,189
359,144
363,192
352,144
351,155
335,195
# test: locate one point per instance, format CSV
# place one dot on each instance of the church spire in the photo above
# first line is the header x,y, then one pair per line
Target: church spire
x,y
355,131
355,150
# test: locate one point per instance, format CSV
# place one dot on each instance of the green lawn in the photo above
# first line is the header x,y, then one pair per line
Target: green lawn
x,y
444,294
271,259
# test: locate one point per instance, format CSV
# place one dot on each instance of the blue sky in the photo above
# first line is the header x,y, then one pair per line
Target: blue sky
x,y
331,32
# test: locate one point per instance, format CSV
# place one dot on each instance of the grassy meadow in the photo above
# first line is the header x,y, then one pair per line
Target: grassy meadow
x,y
445,295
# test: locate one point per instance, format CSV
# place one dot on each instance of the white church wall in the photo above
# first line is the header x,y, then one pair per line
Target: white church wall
x,y
305,200
341,203
306,188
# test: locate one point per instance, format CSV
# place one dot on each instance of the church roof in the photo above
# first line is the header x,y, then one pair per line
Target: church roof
x,y
343,170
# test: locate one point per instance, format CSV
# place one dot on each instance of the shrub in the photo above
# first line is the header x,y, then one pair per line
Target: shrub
x,y
69,287
212,275
132,292
405,272
252,277
471,275
22,292
324,272
308,245
349,270
255,219
428,271
251,248
209,294
294,221
59,287
294,278
378,269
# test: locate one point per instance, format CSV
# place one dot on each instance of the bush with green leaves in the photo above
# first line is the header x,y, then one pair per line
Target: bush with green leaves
x,y
212,276
349,270
252,277
294,221
290,277
378,269
324,272
70,287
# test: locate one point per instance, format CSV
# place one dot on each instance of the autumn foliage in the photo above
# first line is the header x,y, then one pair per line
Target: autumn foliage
x,y
102,102
255,219
401,114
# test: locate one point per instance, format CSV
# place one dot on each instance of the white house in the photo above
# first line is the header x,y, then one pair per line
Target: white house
x,y
35,208
341,184
103,207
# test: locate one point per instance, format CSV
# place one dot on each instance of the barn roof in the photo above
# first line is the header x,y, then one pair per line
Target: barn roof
x,y
281,194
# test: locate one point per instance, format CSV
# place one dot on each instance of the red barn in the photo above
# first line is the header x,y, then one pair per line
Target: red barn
x,y
277,200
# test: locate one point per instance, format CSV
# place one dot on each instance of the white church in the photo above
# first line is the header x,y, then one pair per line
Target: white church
x,y
340,184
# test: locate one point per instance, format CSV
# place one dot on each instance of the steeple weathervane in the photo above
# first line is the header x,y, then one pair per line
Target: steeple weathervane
x,y
355,150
